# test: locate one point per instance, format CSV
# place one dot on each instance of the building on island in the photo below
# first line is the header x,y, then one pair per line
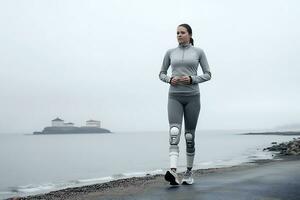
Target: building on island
x,y
93,123
57,122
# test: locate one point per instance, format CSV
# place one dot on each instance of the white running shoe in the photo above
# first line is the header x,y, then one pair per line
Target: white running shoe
x,y
187,178
172,177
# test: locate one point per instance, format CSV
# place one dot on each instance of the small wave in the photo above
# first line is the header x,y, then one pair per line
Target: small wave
x,y
157,171
95,180
145,173
32,188
118,176
206,163
6,192
131,174
219,163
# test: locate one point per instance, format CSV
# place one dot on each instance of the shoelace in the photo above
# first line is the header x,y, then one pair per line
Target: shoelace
x,y
187,174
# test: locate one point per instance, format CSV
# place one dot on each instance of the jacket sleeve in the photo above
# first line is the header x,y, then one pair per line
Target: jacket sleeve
x,y
206,76
163,76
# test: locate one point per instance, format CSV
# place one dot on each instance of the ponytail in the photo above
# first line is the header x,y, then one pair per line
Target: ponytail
x,y
192,41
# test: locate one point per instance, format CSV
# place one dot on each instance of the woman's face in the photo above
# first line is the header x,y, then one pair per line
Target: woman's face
x,y
183,36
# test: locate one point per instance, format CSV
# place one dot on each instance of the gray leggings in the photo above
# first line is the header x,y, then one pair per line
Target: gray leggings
x,y
189,107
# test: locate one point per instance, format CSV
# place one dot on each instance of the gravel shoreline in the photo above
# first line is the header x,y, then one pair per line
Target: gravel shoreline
x,y
136,184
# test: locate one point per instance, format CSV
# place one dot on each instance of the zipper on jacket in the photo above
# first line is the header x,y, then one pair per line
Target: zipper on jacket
x,y
182,54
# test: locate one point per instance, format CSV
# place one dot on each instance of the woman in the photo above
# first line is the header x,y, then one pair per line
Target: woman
x,y
183,98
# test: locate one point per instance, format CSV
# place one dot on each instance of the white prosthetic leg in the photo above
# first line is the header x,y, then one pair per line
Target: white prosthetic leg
x,y
171,175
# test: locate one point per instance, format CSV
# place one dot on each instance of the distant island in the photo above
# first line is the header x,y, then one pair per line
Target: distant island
x,y
273,133
60,127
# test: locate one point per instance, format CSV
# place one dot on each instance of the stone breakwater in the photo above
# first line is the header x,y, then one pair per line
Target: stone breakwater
x,y
286,148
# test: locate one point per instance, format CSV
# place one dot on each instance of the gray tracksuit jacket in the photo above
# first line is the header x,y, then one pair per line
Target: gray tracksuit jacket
x,y
184,60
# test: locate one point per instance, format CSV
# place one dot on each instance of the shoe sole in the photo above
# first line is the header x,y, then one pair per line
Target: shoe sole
x,y
170,178
186,183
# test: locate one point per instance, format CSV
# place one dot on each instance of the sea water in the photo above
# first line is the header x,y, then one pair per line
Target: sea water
x,y
34,164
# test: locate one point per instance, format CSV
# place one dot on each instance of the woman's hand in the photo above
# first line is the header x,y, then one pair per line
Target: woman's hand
x,y
181,80
185,80
175,80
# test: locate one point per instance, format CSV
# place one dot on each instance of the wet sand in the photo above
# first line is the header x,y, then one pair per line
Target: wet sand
x,y
260,179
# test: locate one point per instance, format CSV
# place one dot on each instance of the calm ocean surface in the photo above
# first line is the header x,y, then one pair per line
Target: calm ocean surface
x,y
32,164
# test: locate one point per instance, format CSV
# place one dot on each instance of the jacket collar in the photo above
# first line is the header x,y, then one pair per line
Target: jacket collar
x,y
185,45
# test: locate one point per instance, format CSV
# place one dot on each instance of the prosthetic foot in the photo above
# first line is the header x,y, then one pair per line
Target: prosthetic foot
x,y
187,178
172,177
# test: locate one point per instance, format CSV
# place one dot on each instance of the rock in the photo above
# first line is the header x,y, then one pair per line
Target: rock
x,y
274,143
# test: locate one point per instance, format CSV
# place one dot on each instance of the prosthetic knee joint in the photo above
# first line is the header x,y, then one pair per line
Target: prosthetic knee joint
x,y
174,135
190,142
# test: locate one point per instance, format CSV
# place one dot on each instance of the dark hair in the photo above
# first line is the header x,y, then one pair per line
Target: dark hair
x,y
189,29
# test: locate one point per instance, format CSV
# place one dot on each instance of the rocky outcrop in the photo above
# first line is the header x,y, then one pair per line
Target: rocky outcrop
x,y
286,148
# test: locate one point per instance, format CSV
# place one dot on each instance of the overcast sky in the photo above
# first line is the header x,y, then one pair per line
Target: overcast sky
x,y
81,60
